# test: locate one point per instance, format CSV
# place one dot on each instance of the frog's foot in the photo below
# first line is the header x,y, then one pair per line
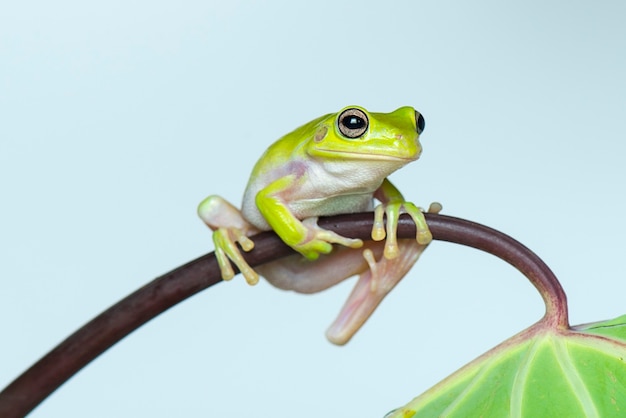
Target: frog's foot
x,y
230,229
371,288
319,240
392,211
226,250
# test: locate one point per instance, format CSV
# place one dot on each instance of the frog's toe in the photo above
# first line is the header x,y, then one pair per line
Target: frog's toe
x,y
391,249
435,207
378,229
226,269
424,236
329,237
250,275
246,271
346,242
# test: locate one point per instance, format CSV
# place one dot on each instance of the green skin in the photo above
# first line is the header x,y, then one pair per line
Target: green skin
x,y
325,168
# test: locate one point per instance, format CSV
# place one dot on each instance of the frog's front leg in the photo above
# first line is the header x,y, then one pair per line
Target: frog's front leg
x,y
306,237
229,228
393,204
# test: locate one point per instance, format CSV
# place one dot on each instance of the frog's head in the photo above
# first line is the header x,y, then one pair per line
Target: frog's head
x,y
356,134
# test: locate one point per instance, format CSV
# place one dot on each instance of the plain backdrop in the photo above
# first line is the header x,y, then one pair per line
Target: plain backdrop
x,y
117,118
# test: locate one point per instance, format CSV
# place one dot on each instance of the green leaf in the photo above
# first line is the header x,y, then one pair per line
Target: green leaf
x,y
541,372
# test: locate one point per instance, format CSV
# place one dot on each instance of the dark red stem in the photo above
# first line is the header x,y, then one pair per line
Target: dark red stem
x,y
56,367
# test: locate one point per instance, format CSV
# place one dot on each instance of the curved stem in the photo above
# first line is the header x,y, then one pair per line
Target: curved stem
x,y
51,371
513,252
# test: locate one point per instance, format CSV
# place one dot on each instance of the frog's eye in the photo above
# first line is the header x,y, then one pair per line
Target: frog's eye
x,y
353,123
420,122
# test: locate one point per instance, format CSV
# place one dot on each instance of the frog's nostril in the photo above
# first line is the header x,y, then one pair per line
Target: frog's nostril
x,y
420,122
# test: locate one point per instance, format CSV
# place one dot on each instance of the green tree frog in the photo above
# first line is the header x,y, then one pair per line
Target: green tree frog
x,y
335,164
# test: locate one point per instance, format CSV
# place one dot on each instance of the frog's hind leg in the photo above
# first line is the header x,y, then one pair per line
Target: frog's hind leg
x,y
374,283
376,279
305,276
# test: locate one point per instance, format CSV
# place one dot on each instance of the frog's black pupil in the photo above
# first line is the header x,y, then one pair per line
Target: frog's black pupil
x,y
354,122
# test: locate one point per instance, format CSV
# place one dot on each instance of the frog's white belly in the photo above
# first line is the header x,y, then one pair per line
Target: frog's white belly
x,y
320,206
331,205
321,189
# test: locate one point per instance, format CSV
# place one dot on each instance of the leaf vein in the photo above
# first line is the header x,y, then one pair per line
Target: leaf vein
x,y
574,378
519,382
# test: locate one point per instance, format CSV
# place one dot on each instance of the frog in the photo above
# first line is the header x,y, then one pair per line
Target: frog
x,y
338,163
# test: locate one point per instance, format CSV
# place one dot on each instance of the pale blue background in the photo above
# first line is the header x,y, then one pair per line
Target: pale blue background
x,y
117,118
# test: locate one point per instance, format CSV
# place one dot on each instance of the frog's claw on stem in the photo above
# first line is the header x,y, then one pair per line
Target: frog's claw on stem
x,y
392,211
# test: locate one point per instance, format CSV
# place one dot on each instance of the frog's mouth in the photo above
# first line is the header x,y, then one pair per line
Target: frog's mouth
x,y
342,155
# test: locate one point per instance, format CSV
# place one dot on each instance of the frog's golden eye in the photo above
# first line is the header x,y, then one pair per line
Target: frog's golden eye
x,y
419,122
353,123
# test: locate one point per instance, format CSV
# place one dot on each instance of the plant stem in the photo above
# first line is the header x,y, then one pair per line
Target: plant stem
x,y
478,236
56,367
